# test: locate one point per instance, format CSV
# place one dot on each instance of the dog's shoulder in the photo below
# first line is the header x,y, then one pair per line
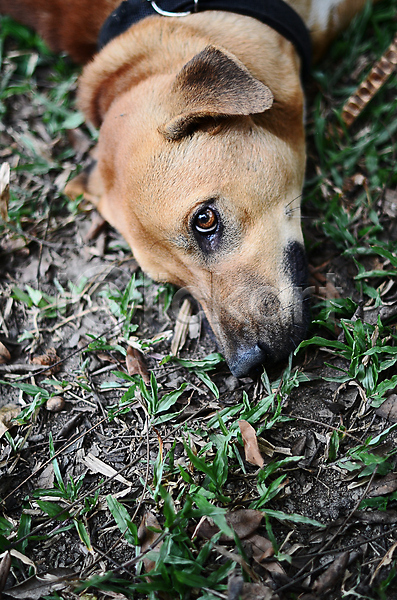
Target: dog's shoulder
x,y
71,26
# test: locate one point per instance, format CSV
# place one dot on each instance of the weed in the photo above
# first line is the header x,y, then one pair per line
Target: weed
x,y
369,350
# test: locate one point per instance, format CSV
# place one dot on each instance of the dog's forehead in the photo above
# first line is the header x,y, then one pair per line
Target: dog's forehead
x,y
254,169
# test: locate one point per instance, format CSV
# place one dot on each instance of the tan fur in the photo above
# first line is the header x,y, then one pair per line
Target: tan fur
x,y
205,110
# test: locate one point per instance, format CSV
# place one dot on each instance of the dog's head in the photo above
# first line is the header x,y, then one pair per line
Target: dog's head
x,y
201,171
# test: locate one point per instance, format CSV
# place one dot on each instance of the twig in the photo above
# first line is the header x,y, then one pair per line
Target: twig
x,y
326,425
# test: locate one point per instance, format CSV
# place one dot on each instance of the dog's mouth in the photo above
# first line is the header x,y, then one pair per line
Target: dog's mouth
x,y
258,325
249,360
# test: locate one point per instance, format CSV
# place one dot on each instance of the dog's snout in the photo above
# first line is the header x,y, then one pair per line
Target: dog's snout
x,y
249,361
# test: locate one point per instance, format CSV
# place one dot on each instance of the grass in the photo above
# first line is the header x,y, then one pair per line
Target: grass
x,y
149,476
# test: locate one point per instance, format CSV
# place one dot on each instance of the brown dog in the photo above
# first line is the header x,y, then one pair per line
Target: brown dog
x,y
201,153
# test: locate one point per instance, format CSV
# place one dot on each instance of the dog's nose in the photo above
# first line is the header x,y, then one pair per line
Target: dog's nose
x,y
246,362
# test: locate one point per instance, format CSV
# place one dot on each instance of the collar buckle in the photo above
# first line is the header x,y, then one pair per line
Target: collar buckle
x,y
166,13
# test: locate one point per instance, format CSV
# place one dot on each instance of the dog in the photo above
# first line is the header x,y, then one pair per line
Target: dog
x,y
201,154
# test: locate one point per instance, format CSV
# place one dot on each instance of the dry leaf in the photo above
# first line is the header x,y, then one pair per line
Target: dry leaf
x,y
258,591
5,356
332,575
45,480
388,410
5,566
98,466
148,537
261,547
38,586
48,359
376,516
23,558
4,190
367,89
275,568
252,454
386,560
79,141
7,414
384,485
234,586
181,327
244,522
237,558
136,364
10,243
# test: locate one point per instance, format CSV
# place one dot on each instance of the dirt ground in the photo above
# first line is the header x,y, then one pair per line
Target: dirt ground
x,y
83,265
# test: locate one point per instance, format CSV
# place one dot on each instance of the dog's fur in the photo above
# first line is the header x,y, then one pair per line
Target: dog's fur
x,y
196,112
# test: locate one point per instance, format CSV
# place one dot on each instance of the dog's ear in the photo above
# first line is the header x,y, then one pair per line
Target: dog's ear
x,y
213,84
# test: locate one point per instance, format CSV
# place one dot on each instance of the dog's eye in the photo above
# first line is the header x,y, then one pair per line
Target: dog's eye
x,y
205,221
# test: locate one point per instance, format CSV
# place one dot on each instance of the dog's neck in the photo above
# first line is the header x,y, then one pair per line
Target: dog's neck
x,y
275,13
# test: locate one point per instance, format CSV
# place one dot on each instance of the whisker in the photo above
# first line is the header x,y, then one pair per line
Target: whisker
x,y
293,200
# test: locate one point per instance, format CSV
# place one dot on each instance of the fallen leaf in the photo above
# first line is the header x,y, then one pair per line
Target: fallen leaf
x,y
275,568
136,364
48,359
46,478
388,410
98,466
4,190
38,586
147,538
258,591
5,356
244,522
355,180
386,560
11,243
234,586
384,485
237,558
79,141
7,414
376,516
5,566
261,547
23,558
332,575
251,449
181,327
390,203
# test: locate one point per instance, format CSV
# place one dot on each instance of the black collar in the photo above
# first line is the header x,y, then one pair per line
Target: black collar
x,y
275,13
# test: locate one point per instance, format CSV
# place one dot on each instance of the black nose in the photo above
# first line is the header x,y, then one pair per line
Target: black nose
x,y
247,362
